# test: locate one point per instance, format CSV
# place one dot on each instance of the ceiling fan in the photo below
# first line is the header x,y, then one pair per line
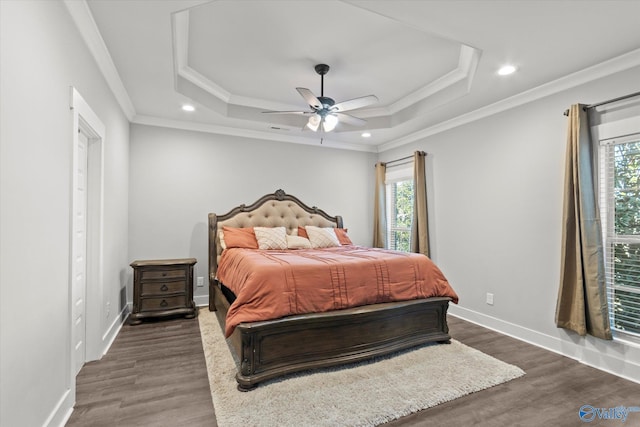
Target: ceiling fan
x,y
324,110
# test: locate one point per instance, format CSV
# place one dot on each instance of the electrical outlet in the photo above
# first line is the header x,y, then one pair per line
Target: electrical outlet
x,y
108,308
489,298
200,282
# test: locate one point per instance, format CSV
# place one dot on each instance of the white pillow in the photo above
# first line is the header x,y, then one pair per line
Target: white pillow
x,y
223,245
271,237
322,237
298,242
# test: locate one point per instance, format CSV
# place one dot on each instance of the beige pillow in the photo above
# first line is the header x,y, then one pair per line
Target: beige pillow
x,y
271,237
322,237
297,242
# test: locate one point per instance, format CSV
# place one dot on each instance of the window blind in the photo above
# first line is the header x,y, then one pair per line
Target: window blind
x,y
402,172
620,214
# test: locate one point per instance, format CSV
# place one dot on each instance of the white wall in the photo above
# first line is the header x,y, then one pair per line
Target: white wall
x,y
41,56
178,177
496,205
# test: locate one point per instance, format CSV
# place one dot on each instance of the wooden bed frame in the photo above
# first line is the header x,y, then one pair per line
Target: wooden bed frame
x,y
273,348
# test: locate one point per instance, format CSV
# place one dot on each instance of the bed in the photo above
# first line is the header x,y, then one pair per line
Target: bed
x,y
270,348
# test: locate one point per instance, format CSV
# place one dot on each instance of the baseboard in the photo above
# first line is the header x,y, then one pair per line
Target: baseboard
x,y
201,300
62,412
614,357
114,328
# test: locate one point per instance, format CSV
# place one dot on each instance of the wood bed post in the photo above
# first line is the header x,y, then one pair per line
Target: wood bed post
x,y
213,260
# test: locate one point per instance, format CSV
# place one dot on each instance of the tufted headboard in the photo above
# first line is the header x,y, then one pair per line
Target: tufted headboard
x,y
272,210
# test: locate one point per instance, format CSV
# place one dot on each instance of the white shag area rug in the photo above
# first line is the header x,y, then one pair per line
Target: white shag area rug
x,y
361,394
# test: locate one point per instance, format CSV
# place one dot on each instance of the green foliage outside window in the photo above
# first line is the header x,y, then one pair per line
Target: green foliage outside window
x,y
401,215
626,254
627,188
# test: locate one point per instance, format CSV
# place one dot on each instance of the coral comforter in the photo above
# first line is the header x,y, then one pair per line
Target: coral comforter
x,y
272,284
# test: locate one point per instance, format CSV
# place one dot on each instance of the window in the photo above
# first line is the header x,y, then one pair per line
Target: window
x,y
400,205
620,213
399,184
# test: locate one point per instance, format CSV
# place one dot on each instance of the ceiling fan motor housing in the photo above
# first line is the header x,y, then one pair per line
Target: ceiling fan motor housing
x,y
327,103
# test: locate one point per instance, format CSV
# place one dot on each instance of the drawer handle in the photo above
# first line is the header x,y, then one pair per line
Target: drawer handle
x,y
164,303
164,274
164,288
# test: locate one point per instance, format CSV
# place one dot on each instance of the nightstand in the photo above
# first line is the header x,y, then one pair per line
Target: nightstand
x,y
162,287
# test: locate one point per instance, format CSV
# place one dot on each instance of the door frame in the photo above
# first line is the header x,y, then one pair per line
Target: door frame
x,y
86,121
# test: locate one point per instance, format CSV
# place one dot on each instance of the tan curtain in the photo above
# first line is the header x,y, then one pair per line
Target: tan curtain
x,y
419,227
380,208
582,300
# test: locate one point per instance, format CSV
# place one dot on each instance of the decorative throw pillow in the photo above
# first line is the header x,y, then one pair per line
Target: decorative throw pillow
x,y
223,245
232,237
297,242
342,236
271,237
321,237
302,232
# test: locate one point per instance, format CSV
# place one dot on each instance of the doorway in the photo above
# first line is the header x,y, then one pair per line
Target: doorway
x,y
86,235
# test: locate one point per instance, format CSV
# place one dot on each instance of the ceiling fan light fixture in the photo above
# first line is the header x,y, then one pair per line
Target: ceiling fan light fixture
x,y
330,122
314,122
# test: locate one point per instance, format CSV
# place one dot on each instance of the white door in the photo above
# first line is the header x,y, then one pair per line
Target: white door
x,y
79,255
84,340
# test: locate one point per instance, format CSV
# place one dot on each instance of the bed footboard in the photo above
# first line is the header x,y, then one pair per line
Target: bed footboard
x,y
278,347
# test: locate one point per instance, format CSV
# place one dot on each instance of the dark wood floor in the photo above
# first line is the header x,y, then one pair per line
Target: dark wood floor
x,y
155,375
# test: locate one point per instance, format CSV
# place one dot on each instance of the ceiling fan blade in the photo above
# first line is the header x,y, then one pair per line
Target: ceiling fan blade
x,y
350,120
299,113
352,104
310,98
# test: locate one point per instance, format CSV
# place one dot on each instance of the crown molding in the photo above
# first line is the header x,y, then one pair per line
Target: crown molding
x,y
82,17
180,39
465,70
604,69
249,133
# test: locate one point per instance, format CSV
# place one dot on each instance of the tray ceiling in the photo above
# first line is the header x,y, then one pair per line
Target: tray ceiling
x,y
429,62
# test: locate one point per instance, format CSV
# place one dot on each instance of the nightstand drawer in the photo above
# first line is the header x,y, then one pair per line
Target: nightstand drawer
x,y
161,288
166,303
163,274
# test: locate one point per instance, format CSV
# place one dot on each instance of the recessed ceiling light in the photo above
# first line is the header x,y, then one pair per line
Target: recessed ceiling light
x,y
366,134
506,70
188,107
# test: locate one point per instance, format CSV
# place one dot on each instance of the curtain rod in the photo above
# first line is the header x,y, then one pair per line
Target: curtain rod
x,y
609,101
401,159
